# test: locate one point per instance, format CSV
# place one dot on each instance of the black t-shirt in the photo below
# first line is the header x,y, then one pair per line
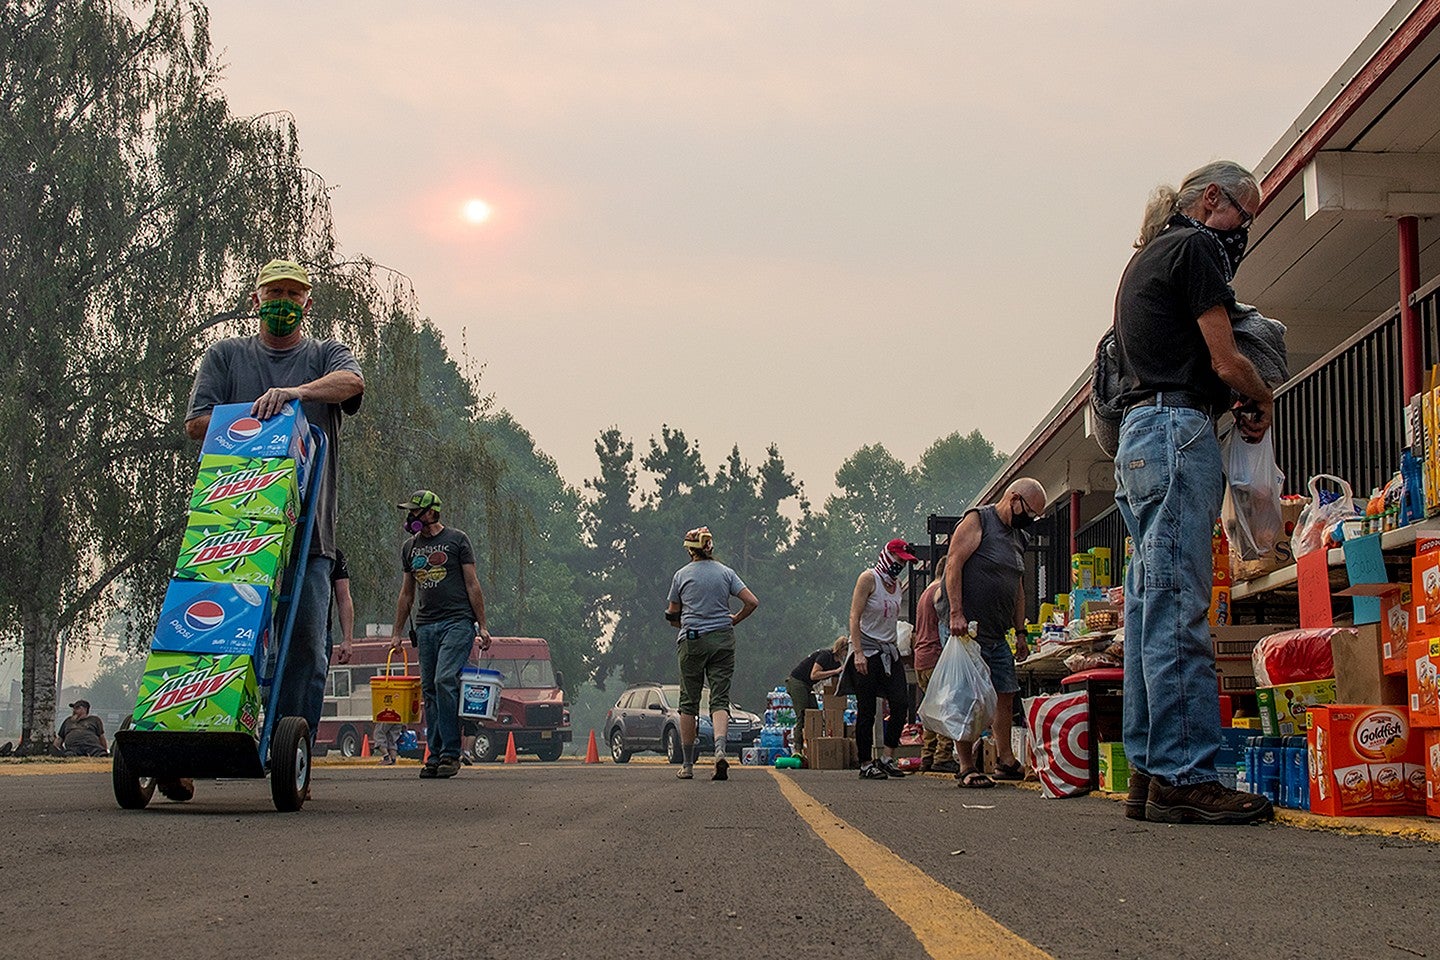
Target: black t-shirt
x,y
1167,285
825,658
437,563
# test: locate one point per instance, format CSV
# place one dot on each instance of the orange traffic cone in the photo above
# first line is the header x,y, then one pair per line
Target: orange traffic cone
x,y
510,755
592,753
365,746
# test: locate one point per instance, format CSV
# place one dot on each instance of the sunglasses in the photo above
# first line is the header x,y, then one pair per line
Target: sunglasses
x,y
1245,217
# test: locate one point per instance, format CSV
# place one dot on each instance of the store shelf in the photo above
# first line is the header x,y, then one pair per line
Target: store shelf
x,y
1391,541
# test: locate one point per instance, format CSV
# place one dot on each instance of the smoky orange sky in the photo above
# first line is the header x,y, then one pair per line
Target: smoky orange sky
x,y
814,224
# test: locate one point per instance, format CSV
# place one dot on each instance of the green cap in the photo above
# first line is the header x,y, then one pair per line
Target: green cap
x,y
421,500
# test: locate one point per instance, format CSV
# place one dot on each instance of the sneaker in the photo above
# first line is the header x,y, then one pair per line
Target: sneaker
x,y
428,772
685,773
892,769
387,761
946,766
722,768
447,768
1207,802
873,771
1138,795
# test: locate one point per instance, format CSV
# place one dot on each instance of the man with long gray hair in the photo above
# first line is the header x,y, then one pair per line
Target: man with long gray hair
x,y
1178,364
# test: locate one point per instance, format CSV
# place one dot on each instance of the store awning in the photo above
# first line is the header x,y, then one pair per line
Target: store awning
x,y
1326,262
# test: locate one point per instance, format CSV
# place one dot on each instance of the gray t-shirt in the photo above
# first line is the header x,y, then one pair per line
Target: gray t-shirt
x,y
240,369
703,589
437,564
990,579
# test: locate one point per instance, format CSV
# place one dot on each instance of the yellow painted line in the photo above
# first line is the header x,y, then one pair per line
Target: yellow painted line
x,y
30,768
947,924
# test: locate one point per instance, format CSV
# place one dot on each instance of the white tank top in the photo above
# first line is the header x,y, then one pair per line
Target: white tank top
x,y
881,613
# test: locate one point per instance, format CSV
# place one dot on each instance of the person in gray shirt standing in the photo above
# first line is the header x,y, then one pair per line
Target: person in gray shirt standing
x,y
700,606
280,365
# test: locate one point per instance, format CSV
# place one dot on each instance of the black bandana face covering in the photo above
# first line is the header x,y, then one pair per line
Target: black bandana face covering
x,y
1232,242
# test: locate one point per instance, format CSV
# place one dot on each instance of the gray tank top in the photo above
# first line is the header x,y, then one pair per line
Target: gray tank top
x,y
991,577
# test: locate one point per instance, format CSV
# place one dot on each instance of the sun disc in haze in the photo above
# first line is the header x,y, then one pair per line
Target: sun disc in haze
x,y
476,211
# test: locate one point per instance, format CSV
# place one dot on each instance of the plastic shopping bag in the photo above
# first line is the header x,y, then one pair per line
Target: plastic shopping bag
x,y
1251,512
1321,515
960,698
1059,726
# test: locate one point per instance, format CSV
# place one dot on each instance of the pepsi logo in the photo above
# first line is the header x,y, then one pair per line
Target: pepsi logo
x,y
204,615
246,428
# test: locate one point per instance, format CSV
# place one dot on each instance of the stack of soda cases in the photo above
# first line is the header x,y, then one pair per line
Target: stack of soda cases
x,y
1277,768
215,623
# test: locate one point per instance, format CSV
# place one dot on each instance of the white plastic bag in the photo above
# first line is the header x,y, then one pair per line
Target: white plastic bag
x,y
1317,519
904,637
960,698
1251,513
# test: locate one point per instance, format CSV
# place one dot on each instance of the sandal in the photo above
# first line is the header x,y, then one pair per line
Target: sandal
x,y
1011,771
973,779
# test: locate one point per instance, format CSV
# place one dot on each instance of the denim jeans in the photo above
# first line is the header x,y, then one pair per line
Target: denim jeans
x,y
444,651
302,688
1168,484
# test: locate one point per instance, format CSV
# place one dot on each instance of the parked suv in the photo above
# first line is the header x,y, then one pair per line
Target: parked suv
x,y
647,717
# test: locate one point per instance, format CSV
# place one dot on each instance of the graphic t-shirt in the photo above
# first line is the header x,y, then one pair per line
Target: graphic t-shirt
x,y
437,564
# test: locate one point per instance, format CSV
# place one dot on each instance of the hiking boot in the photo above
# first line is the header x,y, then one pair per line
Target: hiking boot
x,y
892,769
873,771
722,769
448,767
1207,802
428,772
1138,795
946,766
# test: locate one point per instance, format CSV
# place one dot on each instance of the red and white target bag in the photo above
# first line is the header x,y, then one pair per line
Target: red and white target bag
x,y
1060,740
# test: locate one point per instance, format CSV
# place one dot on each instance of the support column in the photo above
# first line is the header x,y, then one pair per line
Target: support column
x,y
1075,497
1412,353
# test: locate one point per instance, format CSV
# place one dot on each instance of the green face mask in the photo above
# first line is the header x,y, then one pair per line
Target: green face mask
x,y
281,317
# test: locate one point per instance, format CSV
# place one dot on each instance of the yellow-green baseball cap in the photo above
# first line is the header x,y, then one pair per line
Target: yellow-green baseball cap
x,y
421,500
282,270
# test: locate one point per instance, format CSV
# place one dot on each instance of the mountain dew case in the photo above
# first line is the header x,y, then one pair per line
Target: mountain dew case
x,y
198,693
220,549
246,488
233,432
214,618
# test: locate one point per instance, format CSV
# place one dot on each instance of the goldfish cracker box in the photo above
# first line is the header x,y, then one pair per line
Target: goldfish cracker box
x,y
1432,772
1422,682
1425,589
1364,762
1395,615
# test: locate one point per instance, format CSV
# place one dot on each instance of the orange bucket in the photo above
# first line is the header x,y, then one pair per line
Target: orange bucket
x,y
395,698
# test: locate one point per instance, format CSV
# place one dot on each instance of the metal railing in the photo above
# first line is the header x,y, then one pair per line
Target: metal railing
x,y
1344,415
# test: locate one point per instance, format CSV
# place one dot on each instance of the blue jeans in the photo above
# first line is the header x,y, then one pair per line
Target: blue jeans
x,y
302,687
1168,484
444,651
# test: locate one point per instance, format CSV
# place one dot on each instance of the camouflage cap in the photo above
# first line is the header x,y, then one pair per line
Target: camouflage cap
x,y
421,500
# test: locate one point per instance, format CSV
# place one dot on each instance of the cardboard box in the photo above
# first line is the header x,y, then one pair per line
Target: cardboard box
x,y
833,753
1425,588
1082,571
1364,761
1395,615
1233,646
1432,772
1284,709
1359,668
814,726
234,433
196,692
1421,683
1104,566
1250,725
214,618
220,549
1114,768
247,489
1220,606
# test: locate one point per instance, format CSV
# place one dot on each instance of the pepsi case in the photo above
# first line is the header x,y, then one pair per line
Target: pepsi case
x,y
234,432
214,618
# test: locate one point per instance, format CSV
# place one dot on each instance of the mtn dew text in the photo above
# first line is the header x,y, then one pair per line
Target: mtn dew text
x,y
246,488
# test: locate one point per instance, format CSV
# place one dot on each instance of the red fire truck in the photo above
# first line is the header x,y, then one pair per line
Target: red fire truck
x,y
532,703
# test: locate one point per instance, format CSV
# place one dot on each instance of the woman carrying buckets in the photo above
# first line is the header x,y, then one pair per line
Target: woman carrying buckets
x,y
438,564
